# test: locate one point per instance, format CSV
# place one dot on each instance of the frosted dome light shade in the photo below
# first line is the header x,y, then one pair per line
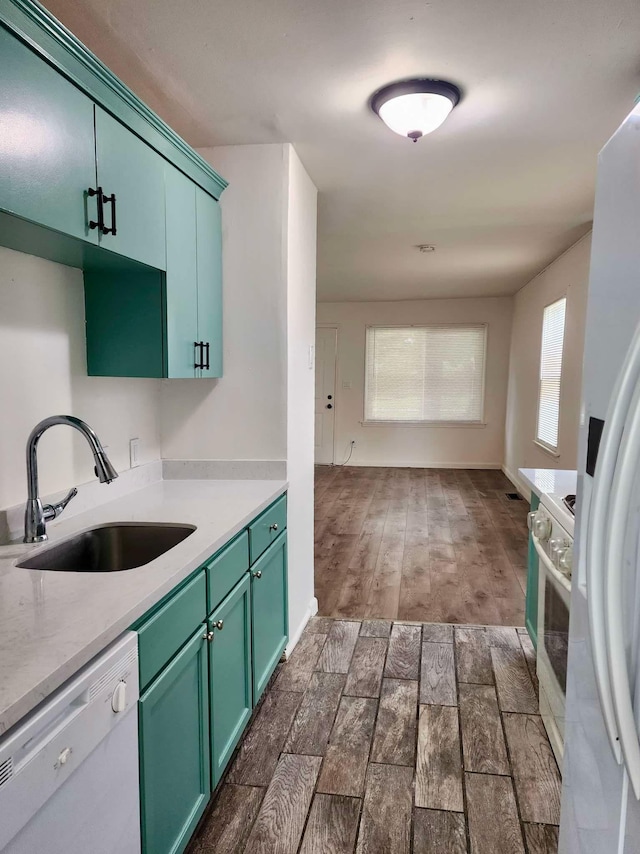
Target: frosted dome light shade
x,y
419,111
414,108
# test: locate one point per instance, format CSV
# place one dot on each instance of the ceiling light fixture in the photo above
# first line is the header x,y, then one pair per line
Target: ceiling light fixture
x,y
414,108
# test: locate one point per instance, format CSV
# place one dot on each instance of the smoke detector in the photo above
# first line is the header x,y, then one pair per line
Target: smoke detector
x,y
426,247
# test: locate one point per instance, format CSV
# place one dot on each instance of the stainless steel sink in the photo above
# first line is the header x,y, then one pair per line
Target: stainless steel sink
x,y
111,548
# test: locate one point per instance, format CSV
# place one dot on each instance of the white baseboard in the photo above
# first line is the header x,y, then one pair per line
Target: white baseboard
x,y
311,611
425,465
519,484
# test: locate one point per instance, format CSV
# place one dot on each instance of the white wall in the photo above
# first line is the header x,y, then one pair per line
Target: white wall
x,y
463,446
43,372
243,415
301,308
566,276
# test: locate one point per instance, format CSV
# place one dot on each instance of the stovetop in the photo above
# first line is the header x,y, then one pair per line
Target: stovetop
x,y
560,510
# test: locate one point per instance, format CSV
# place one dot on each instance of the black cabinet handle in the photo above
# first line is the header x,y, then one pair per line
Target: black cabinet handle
x,y
207,366
110,200
199,345
99,223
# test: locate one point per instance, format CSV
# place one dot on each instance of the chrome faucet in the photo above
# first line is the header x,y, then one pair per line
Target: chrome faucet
x,y
35,515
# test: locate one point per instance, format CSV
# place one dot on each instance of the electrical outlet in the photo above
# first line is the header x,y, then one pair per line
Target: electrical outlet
x,y
134,452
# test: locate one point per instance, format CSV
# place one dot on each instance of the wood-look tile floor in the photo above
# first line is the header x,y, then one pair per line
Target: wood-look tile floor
x,y
420,544
381,738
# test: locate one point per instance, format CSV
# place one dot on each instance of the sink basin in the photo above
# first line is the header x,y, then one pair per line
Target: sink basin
x,y
111,548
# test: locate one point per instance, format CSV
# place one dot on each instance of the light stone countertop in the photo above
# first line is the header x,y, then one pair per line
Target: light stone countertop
x,y
555,481
52,623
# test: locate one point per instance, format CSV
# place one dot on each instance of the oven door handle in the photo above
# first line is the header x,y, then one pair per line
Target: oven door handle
x,y
622,511
544,557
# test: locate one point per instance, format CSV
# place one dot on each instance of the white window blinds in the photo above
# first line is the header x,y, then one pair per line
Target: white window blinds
x,y
551,373
425,373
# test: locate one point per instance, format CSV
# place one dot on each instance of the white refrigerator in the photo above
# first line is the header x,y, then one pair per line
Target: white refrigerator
x,y
601,768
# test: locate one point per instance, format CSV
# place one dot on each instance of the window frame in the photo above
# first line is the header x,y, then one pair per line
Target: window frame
x,y
545,446
480,424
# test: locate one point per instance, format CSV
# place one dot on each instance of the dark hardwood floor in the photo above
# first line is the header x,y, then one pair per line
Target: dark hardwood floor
x,y
435,545
381,738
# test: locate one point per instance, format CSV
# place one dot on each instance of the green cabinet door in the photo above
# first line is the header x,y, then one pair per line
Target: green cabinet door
x,y
229,674
47,157
134,173
209,255
269,612
182,278
531,606
174,750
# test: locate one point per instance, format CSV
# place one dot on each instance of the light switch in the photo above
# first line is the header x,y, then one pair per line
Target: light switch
x,y
134,452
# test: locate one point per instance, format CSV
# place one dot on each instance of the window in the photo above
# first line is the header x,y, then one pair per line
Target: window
x,y
425,374
551,374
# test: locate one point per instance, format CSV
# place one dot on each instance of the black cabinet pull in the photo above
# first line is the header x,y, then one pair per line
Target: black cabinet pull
x,y
207,366
199,345
99,223
110,200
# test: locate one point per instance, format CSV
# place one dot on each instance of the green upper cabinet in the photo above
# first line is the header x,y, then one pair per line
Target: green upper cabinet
x,y
92,178
131,176
229,675
194,279
47,155
269,612
182,276
174,750
209,255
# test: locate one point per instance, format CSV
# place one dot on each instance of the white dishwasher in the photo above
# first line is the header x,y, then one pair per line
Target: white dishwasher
x,y
69,771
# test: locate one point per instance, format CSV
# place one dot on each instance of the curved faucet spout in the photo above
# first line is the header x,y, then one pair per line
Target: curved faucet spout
x,y
36,515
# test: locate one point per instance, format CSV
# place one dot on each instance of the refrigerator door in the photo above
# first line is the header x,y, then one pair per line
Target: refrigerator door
x,y
597,806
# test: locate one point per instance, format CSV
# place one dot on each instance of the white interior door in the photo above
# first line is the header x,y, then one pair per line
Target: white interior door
x,y
326,345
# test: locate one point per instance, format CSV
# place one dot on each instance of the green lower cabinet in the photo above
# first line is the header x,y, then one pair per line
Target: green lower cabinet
x,y
229,675
269,612
531,607
174,750
203,687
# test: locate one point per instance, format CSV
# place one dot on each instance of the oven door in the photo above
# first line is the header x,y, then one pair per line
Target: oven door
x,y
554,596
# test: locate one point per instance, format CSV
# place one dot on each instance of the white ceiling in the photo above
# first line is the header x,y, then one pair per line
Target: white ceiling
x,y
502,188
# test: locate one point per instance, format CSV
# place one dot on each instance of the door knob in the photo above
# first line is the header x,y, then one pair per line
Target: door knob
x,y
329,406
273,527
257,574
329,397
219,625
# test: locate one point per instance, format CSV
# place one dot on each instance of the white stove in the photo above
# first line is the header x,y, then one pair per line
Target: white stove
x,y
551,527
